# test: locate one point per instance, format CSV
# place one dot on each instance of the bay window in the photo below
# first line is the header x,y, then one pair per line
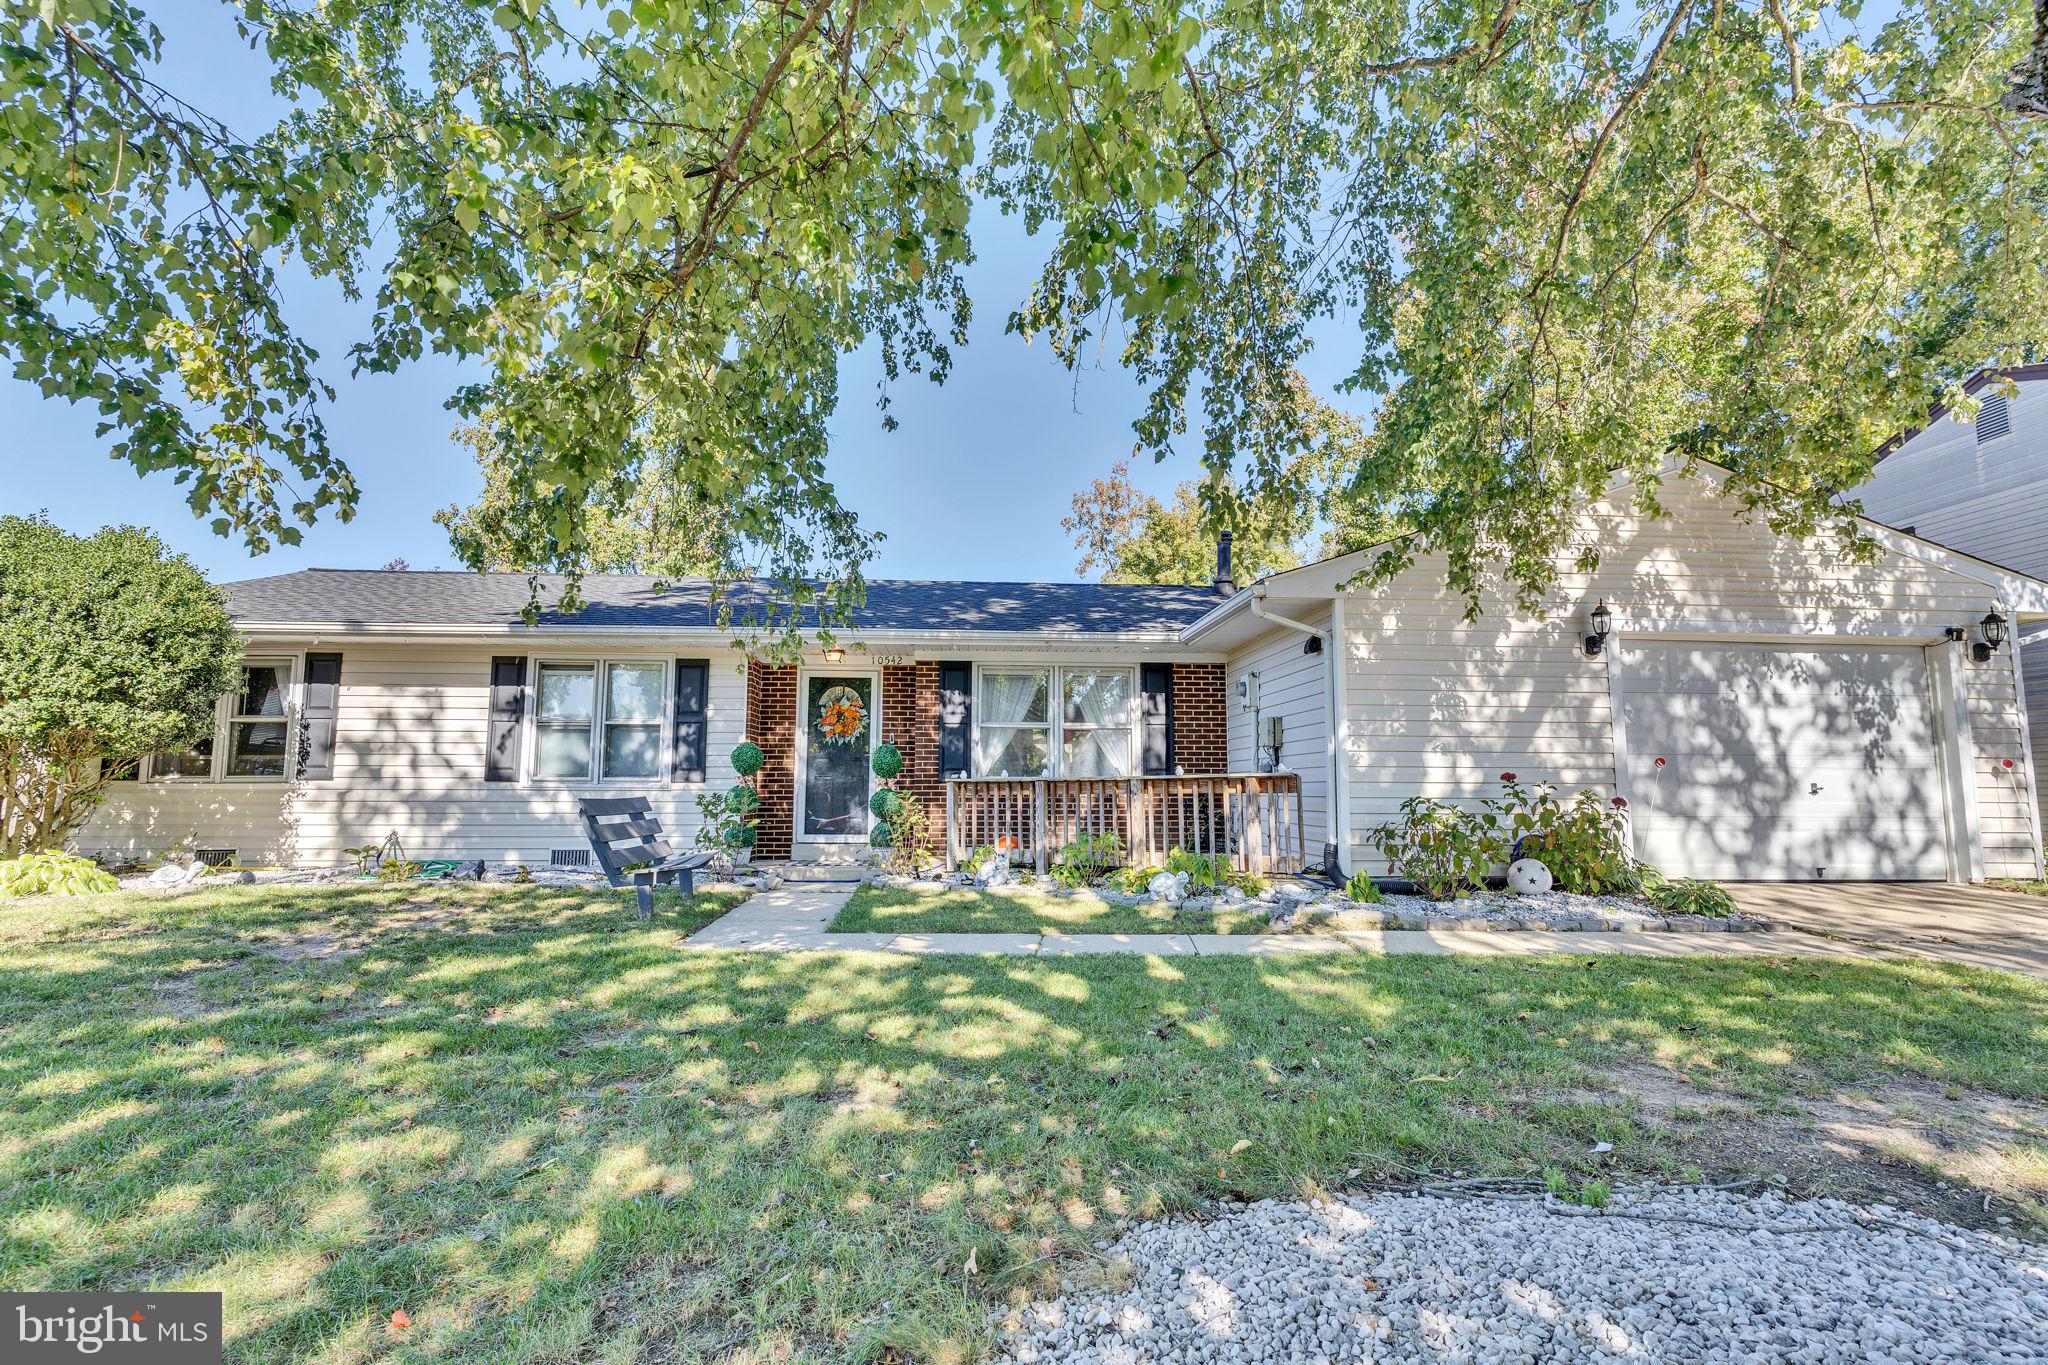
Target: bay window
x,y
599,721
1055,722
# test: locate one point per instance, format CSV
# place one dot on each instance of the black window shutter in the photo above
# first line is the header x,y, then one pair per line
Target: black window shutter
x,y
693,686
316,719
508,710
956,718
1155,688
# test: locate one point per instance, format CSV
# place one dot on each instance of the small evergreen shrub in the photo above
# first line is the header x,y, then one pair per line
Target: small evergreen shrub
x,y
886,803
882,836
742,801
887,762
747,758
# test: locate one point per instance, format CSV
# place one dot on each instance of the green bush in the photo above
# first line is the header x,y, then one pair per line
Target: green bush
x,y
887,762
747,758
1248,882
1583,842
1363,889
1205,871
1087,858
111,647
886,804
739,836
1132,881
742,800
882,836
54,874
1442,849
1688,896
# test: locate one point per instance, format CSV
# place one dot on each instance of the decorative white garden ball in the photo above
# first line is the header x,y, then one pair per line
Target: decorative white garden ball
x,y
1528,877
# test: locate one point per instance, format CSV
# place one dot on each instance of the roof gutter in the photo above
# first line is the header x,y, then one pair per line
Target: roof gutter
x,y
400,631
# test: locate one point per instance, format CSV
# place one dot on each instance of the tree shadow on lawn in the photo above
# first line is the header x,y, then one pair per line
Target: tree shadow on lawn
x,y
549,1135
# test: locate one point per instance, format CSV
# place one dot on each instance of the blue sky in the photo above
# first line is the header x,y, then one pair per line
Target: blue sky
x,y
972,483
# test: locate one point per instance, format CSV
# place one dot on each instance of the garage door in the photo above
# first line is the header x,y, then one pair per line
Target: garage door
x,y
1756,762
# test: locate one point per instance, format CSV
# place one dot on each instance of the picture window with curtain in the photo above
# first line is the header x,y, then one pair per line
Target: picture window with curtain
x,y
1055,722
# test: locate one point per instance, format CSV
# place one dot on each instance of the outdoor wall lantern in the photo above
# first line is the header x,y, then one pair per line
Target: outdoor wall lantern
x,y
1993,629
835,655
1603,622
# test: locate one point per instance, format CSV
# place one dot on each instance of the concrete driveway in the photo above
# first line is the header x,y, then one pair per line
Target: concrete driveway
x,y
1972,924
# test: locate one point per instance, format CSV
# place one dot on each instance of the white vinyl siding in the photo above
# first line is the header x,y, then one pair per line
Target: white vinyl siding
x,y
1989,500
1294,687
1440,706
411,730
2034,660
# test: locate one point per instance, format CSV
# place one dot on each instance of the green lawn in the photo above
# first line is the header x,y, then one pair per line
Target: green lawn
x,y
526,1119
951,910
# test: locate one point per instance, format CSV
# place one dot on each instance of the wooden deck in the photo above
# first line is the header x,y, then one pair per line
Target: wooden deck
x,y
1253,819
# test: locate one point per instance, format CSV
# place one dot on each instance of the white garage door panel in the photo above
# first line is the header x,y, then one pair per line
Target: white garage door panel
x,y
1781,761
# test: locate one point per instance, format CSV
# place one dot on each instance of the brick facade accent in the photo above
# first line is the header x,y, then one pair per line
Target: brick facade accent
x,y
910,721
771,723
1201,719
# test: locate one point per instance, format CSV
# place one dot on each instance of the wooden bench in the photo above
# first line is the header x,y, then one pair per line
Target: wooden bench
x,y
632,851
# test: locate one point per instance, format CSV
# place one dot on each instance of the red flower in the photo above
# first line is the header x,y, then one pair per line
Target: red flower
x,y
1621,803
1507,777
2008,763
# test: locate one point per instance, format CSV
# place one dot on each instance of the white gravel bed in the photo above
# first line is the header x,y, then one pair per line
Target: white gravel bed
x,y
1695,1275
1555,910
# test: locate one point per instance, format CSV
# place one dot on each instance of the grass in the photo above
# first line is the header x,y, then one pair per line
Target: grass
x,y
961,910
524,1118
2039,888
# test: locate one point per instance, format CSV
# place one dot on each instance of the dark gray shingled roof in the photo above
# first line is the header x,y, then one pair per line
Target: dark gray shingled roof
x,y
331,597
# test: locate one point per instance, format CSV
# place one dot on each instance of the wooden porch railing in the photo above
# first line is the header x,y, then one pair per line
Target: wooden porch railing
x,y
1253,819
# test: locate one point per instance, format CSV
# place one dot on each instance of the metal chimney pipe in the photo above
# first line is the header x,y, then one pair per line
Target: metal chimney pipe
x,y
1224,583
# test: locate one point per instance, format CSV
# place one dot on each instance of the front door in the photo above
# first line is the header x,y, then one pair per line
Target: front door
x,y
839,730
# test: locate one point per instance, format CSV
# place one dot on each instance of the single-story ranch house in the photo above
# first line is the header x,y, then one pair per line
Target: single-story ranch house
x,y
1769,709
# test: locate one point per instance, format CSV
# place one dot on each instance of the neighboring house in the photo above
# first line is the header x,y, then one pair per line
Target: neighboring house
x,y
1769,709
1982,487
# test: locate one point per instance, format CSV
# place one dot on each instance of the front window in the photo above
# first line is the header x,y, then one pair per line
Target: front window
x,y
632,720
1096,723
1015,737
600,721
251,729
568,711
1021,732
256,728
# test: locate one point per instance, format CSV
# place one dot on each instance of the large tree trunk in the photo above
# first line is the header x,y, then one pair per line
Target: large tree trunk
x,y
2029,93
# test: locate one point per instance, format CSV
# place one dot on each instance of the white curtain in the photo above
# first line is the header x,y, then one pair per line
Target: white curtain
x,y
1016,723
1097,741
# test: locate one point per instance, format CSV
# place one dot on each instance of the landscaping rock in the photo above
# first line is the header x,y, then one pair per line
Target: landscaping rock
x,y
1659,1274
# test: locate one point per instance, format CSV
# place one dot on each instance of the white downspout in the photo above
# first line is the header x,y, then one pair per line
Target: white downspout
x,y
1332,691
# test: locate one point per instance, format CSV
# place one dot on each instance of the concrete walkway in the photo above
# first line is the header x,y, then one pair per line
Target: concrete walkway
x,y
793,919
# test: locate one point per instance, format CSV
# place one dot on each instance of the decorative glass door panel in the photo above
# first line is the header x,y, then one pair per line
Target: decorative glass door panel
x,y
838,737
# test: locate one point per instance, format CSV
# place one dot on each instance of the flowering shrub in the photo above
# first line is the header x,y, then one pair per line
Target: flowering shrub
x,y
1443,849
1583,841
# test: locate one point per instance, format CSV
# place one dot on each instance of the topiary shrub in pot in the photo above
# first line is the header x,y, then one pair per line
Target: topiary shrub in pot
x,y
882,836
740,836
887,762
886,804
747,758
742,801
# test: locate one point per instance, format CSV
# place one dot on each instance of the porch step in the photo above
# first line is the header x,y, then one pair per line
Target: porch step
x,y
820,872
